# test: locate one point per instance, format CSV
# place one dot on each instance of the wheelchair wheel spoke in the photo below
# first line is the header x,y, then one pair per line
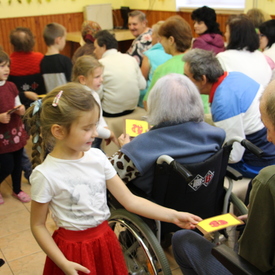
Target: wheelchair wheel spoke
x,y
142,252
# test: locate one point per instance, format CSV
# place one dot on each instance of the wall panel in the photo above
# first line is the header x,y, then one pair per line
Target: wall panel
x,y
73,21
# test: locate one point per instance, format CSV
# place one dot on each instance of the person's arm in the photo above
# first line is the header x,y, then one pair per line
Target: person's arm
x,y
147,208
156,75
31,95
123,165
21,110
145,67
141,80
112,138
259,249
5,118
233,127
198,43
68,69
39,212
106,134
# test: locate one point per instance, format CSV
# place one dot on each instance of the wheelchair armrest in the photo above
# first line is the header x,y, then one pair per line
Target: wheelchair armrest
x,y
234,262
233,174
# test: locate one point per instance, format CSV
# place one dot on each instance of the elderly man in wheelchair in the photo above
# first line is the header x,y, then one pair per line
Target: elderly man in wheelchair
x,y
175,110
257,242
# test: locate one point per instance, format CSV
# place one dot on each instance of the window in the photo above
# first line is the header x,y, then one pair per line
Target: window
x,y
216,4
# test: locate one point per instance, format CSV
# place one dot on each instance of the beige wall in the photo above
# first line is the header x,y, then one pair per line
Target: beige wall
x,y
266,5
71,6
52,7
163,5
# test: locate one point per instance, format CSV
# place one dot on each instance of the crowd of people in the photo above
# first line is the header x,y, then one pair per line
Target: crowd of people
x,y
62,104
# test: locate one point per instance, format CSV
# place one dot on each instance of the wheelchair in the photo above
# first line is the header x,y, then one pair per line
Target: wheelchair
x,y
197,188
234,262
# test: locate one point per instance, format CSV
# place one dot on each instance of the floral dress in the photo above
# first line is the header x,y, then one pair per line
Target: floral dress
x,y
13,137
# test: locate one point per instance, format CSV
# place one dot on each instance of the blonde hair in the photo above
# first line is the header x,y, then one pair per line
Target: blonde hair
x,y
85,65
155,27
258,16
40,117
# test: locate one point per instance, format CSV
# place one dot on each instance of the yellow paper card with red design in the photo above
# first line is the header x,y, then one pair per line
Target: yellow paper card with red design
x,y
135,127
218,222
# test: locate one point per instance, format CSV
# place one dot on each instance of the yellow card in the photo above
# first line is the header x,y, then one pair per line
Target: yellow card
x,y
135,127
218,222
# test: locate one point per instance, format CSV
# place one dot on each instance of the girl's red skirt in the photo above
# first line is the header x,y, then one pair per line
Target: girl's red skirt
x,y
95,248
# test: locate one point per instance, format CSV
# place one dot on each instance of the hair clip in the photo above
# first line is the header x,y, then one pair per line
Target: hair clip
x,y
56,99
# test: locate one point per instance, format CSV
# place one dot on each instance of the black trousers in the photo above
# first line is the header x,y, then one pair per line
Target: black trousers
x,y
10,164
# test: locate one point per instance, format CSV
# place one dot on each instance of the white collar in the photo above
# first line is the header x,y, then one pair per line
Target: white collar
x,y
108,52
2,82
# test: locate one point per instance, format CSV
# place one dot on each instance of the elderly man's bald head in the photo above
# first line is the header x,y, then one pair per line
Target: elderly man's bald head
x,y
267,109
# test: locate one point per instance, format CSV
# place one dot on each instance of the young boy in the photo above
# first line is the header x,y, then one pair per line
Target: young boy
x,y
55,67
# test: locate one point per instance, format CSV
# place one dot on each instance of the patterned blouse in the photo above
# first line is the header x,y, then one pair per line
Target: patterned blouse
x,y
141,44
124,167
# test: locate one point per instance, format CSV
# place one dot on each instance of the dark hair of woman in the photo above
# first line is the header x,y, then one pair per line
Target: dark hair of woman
x,y
208,16
242,34
268,29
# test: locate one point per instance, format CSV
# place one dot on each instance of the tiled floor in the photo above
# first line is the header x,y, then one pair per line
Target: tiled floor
x,y
18,248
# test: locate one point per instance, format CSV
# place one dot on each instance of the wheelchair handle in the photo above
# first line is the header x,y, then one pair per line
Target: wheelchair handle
x,y
252,148
185,173
164,158
248,145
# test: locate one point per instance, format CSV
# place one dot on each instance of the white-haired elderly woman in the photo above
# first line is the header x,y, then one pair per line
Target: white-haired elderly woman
x,y
175,109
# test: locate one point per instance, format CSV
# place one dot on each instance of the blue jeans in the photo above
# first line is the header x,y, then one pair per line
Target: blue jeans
x,y
192,252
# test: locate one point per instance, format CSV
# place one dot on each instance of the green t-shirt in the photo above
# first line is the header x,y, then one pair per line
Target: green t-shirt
x,y
173,65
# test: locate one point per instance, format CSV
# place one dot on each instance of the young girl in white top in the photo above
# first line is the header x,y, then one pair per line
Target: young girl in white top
x,y
89,72
72,182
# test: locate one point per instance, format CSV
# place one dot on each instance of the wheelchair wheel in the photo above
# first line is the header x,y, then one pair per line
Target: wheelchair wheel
x,y
142,251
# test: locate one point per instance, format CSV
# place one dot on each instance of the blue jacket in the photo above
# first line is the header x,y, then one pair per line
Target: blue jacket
x,y
188,142
235,108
